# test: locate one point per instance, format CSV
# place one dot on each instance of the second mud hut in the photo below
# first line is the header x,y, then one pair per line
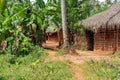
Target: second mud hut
x,y
106,28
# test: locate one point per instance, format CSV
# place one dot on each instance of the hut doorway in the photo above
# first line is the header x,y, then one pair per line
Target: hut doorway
x,y
53,39
90,40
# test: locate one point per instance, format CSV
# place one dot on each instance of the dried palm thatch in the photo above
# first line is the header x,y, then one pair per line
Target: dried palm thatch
x,y
106,19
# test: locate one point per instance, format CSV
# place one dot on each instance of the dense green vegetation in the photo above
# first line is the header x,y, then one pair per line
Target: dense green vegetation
x,y
22,23
33,67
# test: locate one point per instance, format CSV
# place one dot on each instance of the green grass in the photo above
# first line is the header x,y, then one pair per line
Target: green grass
x,y
30,67
101,70
61,52
116,56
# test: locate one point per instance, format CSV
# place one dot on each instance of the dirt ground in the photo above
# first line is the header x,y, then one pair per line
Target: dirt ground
x,y
76,60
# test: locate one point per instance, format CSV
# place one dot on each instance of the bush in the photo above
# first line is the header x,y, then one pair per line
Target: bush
x,y
36,54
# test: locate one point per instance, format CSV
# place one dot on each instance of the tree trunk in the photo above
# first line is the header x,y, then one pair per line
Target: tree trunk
x,y
64,27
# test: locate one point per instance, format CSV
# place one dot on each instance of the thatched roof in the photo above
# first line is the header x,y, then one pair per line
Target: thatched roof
x,y
52,29
106,19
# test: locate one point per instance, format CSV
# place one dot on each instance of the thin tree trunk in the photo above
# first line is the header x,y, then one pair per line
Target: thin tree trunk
x,y
64,27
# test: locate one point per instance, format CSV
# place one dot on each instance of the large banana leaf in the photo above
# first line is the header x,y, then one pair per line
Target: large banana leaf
x,y
20,13
41,3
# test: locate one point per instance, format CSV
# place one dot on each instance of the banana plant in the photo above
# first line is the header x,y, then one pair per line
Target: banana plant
x,y
2,7
13,14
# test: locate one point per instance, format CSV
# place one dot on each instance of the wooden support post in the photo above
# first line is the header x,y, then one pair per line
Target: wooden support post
x,y
117,39
104,40
94,48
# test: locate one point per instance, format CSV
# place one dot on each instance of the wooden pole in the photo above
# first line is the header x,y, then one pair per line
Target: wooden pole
x,y
104,40
117,39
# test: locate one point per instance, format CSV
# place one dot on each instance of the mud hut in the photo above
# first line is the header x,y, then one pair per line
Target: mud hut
x,y
52,35
55,35
106,29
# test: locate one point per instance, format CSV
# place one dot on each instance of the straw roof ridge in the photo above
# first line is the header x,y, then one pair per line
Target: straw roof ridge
x,y
106,19
53,29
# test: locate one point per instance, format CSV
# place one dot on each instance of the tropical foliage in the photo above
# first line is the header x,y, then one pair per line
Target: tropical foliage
x,y
22,22
22,25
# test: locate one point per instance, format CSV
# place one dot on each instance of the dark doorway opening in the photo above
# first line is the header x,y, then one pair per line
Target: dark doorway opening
x,y
90,40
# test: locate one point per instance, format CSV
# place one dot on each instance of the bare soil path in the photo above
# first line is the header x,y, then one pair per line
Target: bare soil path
x,y
75,60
